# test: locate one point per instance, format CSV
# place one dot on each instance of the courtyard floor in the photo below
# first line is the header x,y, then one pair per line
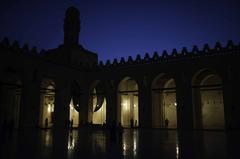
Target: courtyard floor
x,y
89,143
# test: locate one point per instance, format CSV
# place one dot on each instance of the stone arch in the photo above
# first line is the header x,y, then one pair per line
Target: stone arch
x,y
127,102
47,103
74,104
11,92
97,103
164,112
208,105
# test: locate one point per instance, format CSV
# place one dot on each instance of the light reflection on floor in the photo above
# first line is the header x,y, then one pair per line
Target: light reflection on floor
x,y
134,144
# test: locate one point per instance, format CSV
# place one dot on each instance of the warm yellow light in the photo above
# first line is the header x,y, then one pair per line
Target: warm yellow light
x,y
49,108
175,103
177,151
71,144
124,146
125,105
52,108
134,144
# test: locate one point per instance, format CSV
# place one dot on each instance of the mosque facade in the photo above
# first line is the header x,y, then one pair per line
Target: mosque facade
x,y
195,89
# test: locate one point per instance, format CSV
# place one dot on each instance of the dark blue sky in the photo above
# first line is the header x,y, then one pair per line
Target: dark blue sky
x,y
119,28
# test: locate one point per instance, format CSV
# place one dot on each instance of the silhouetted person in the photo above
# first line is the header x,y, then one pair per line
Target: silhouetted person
x,y
166,123
104,125
46,123
135,124
131,123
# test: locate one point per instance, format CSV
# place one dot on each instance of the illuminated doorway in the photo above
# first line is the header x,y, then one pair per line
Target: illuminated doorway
x,y
98,108
164,106
208,100
73,114
47,101
128,103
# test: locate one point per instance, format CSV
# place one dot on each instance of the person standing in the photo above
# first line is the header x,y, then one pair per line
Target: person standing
x,y
166,123
46,123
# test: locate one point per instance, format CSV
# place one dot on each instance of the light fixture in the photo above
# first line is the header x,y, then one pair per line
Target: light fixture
x,y
175,103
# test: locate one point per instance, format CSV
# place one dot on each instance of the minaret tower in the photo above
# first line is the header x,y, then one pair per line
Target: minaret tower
x,y
71,26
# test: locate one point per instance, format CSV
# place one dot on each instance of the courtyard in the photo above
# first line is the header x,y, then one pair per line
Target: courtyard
x,y
91,143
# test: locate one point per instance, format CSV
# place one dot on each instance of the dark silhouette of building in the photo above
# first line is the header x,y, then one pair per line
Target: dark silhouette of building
x,y
195,89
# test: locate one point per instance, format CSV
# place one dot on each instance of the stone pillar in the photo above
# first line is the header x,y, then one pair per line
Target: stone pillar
x,y
145,103
29,103
84,103
90,107
62,101
184,101
1,105
231,88
111,107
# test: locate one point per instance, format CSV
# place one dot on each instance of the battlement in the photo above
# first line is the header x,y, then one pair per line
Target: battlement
x,y
16,48
175,55
206,51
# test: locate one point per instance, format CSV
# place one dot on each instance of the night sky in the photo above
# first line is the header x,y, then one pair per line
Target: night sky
x,y
115,29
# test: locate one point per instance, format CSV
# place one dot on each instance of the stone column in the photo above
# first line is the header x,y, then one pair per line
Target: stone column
x,y
84,103
111,107
29,103
62,101
1,105
230,97
184,101
145,103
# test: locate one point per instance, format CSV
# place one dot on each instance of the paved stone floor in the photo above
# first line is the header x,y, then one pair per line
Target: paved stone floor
x,y
134,144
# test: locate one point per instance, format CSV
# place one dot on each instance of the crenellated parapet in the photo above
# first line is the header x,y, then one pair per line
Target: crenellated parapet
x,y
17,49
175,55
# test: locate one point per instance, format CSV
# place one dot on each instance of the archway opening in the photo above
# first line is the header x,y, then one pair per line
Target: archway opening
x,y
47,103
164,106
73,114
208,100
10,102
74,105
97,103
128,103
98,108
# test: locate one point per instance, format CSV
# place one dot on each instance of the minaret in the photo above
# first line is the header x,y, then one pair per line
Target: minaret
x,y
71,26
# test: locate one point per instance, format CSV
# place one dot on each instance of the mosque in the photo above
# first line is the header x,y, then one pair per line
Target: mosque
x,y
195,89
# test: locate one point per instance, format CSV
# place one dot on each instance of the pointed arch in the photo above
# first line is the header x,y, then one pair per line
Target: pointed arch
x,y
208,100
47,103
74,104
164,112
97,107
11,92
127,107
